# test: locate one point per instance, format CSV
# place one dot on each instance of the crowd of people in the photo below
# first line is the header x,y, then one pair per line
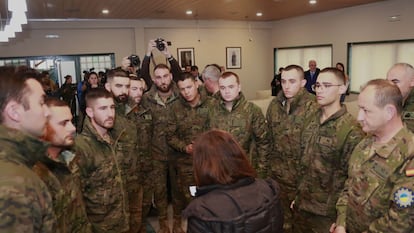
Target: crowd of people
x,y
173,137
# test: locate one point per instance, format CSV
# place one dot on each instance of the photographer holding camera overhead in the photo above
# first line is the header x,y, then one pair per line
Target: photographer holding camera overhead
x,y
162,46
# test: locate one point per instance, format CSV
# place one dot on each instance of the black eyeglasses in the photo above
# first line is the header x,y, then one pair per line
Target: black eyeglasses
x,y
324,86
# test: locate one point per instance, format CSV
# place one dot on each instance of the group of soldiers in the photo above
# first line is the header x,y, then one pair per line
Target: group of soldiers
x,y
137,140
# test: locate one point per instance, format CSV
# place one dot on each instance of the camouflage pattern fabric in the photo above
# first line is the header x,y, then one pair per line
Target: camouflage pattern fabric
x,y
247,124
379,193
408,111
142,118
64,188
25,202
102,181
285,130
161,151
327,147
185,124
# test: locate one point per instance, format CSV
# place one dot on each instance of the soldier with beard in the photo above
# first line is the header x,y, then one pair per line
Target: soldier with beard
x,y
159,99
102,178
142,118
55,173
118,83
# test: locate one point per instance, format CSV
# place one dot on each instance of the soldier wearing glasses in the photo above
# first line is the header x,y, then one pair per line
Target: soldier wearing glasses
x,y
327,142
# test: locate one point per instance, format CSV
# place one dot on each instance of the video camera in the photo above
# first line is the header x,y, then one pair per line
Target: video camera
x,y
160,44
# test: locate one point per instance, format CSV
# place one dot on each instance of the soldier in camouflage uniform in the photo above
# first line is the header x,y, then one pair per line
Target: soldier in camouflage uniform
x,y
286,116
118,83
327,141
142,117
244,120
402,74
159,100
25,202
55,172
188,119
379,192
211,75
98,154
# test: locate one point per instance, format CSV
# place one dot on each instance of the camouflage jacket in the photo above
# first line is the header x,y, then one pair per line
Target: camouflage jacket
x,y
247,124
142,117
379,193
102,182
25,202
160,114
285,129
67,198
408,111
125,131
186,122
323,167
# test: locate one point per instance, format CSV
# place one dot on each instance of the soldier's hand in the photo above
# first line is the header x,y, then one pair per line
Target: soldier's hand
x,y
337,229
189,149
151,46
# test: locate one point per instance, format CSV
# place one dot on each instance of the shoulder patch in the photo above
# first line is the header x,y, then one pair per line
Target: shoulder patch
x,y
404,197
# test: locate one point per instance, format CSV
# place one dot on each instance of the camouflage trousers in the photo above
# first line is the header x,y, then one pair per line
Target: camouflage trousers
x,y
306,222
139,207
165,172
287,195
185,179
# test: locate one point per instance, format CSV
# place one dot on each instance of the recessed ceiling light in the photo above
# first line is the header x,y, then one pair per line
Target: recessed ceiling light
x,y
259,14
105,11
51,36
312,2
189,12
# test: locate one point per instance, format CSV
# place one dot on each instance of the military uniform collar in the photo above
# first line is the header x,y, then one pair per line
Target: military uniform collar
x,y
236,102
90,131
295,100
334,116
23,147
386,149
410,98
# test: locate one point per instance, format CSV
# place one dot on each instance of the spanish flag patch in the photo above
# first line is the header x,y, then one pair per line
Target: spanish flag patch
x,y
409,172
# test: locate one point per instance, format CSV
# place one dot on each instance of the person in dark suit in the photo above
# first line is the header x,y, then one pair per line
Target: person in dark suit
x,y
311,75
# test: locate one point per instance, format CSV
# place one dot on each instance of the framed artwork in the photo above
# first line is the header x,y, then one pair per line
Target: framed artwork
x,y
185,57
233,57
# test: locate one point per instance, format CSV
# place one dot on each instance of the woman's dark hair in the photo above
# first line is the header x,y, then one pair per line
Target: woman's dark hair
x,y
219,159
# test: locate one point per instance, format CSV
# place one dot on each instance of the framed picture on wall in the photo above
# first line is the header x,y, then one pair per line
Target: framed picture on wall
x,y
233,57
185,57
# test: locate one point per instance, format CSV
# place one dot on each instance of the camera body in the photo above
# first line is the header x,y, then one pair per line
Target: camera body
x,y
160,44
135,61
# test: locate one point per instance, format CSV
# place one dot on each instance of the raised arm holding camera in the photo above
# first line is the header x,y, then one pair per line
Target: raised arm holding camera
x,y
162,46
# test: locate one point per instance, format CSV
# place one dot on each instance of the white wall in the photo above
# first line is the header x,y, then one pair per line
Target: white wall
x,y
339,27
208,38
355,24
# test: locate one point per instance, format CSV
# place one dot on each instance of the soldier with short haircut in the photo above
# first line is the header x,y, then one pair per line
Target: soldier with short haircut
x,y
244,120
188,119
25,202
210,76
159,100
99,156
286,116
118,83
327,141
402,74
54,170
379,192
142,117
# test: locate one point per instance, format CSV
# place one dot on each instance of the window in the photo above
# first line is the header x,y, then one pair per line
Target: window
x,y
373,60
301,56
